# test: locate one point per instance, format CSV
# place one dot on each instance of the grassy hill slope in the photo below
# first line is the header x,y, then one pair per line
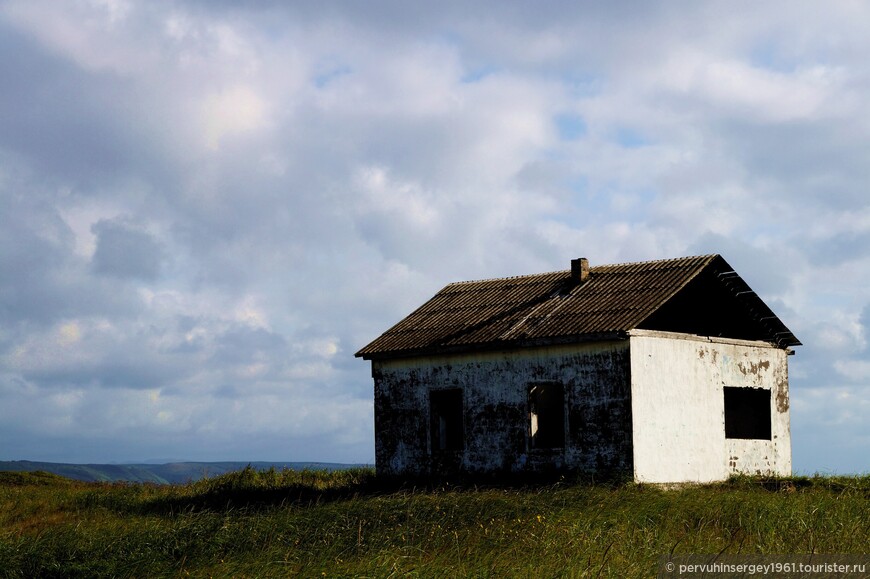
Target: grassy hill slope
x,y
346,523
169,473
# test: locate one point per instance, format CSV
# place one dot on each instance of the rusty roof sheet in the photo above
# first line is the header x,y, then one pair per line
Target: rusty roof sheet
x,y
542,308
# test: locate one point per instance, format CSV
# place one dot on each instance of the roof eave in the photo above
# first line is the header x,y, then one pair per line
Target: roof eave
x,y
494,346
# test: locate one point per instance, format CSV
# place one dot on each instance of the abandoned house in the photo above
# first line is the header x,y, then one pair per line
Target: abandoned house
x,y
664,371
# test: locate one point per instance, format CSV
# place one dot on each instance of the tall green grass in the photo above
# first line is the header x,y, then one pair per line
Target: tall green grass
x,y
347,523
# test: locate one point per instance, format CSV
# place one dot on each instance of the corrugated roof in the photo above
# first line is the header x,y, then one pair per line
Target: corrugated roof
x,y
546,308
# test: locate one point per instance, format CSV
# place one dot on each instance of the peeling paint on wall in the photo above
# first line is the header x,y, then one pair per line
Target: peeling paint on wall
x,y
496,415
780,390
753,367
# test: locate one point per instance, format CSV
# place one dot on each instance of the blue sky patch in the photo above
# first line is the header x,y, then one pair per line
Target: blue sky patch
x,y
571,127
630,139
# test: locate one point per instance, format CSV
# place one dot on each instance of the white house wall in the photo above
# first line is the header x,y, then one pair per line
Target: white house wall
x,y
678,408
495,389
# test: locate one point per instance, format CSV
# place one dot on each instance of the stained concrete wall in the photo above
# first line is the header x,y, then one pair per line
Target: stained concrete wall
x,y
678,407
495,386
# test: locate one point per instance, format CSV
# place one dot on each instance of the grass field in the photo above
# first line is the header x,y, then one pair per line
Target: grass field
x,y
346,523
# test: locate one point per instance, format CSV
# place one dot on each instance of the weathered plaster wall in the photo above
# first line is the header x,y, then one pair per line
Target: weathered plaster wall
x,y
678,407
495,413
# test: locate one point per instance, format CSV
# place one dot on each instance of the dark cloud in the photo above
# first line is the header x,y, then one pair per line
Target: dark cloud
x,y
864,320
68,123
126,251
132,368
836,248
44,279
814,164
245,345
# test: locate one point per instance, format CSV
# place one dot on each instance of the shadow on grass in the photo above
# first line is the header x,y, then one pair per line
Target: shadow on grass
x,y
249,489
838,484
253,490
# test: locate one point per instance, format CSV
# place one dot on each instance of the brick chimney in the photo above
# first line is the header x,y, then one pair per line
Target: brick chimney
x,y
579,270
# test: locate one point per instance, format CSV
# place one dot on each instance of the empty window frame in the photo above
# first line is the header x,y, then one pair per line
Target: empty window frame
x,y
445,420
747,413
546,415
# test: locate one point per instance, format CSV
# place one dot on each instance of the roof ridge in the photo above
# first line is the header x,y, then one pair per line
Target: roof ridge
x,y
543,273
663,260
593,267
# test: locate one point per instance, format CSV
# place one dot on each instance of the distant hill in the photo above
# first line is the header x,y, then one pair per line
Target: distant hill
x,y
170,473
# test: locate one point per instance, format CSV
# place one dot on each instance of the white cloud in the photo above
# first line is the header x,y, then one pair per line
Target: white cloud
x,y
737,88
401,201
94,35
853,370
232,112
68,334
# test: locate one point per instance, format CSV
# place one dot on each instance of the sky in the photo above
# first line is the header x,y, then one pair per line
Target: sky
x,y
207,207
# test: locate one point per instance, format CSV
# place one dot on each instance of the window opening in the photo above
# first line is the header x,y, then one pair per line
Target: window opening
x,y
546,416
747,413
445,419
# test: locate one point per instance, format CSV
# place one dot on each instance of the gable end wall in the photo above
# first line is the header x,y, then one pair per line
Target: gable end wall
x,y
678,408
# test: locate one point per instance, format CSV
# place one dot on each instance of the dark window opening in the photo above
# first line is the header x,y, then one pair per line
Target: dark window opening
x,y
546,416
445,419
747,413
